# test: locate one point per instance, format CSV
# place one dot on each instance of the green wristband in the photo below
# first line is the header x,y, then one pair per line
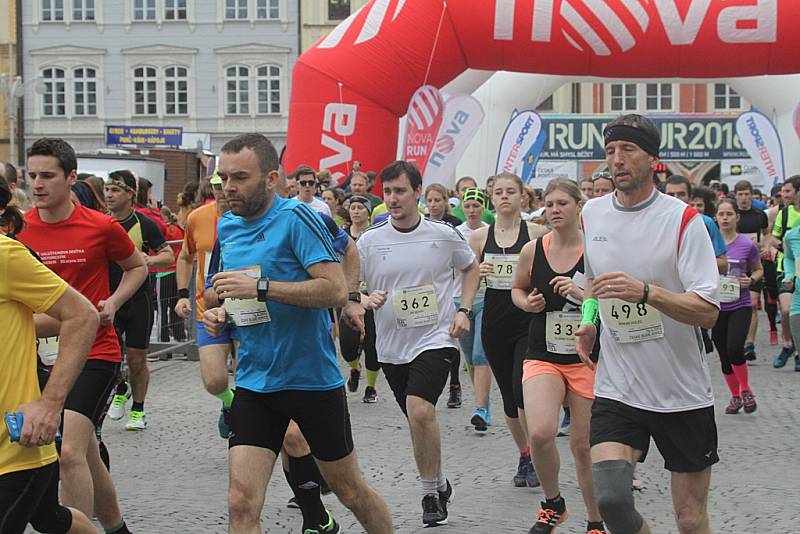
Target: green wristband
x,y
590,312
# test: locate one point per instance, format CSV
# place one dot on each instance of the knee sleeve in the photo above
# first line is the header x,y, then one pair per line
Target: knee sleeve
x,y
613,480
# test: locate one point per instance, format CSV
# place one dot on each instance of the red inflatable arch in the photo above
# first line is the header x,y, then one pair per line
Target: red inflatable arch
x,y
349,90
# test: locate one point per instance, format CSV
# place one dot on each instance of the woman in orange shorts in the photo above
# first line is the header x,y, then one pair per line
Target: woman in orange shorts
x,y
548,284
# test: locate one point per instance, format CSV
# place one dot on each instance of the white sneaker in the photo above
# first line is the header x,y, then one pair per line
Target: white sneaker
x,y
117,409
137,421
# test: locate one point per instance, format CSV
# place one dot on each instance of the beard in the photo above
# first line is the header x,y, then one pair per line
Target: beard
x,y
254,203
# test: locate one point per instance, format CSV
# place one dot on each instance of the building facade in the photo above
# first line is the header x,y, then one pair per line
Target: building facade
x,y
216,68
9,102
318,17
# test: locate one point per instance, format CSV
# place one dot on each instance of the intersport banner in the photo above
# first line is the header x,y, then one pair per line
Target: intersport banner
x,y
760,138
519,137
463,115
351,87
424,118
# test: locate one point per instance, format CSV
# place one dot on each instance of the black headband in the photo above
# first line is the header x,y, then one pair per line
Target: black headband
x,y
637,136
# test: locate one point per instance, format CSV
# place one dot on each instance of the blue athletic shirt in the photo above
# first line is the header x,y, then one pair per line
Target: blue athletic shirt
x,y
717,240
295,350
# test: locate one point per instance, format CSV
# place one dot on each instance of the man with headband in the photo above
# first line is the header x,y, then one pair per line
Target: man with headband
x,y
652,283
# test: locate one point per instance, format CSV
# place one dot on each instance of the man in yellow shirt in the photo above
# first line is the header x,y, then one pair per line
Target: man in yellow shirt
x,y
29,469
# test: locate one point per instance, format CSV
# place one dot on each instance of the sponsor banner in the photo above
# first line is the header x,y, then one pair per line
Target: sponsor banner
x,y
424,118
547,170
518,139
532,157
463,115
144,135
762,142
733,170
683,137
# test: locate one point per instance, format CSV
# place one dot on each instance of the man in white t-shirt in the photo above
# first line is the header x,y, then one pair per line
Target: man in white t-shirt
x,y
653,283
307,182
411,265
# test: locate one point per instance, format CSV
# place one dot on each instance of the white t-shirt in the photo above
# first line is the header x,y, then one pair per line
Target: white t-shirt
x,y
664,242
396,261
466,231
319,206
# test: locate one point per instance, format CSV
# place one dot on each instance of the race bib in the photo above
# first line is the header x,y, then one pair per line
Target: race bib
x,y
47,349
248,312
631,323
729,288
415,306
560,328
503,267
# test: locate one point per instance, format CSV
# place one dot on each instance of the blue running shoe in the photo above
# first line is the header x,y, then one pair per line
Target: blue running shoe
x,y
479,420
781,359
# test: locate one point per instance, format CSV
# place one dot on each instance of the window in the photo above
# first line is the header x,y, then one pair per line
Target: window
x,y
144,9
52,10
85,91
623,96
176,91
174,9
235,9
237,90
338,9
267,9
268,86
82,10
54,97
658,97
144,91
726,98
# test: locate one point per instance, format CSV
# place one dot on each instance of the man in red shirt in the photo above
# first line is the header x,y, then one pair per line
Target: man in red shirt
x,y
78,244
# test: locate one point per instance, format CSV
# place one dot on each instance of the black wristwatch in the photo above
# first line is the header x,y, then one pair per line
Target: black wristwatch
x,y
466,312
262,286
354,296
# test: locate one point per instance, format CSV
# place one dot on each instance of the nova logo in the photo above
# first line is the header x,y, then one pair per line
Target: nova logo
x,y
580,20
370,29
339,119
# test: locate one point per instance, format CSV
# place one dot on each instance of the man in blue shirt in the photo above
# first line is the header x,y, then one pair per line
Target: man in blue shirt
x,y
279,275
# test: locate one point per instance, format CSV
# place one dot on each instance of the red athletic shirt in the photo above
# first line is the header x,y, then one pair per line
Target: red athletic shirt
x,y
79,250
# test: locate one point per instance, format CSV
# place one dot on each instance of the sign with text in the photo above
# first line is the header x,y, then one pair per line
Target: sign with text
x,y
144,135
683,137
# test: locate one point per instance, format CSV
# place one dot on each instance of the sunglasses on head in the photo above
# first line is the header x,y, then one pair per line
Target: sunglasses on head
x,y
307,183
601,175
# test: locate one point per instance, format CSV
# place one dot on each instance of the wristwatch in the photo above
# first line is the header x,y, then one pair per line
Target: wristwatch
x,y
466,311
262,286
354,296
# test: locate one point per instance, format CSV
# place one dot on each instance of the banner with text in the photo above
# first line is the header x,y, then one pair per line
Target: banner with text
x,y
144,135
683,137
518,139
424,118
762,142
463,115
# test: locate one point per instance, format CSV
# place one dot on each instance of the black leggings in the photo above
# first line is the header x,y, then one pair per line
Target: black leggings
x,y
505,355
729,336
351,345
31,496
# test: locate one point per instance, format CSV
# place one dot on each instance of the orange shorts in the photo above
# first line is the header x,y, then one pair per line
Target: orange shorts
x,y
578,378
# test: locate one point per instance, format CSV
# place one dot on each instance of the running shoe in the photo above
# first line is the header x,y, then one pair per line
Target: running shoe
x,y
749,352
781,359
479,420
455,396
352,382
749,402
433,512
293,503
117,409
224,423
548,519
370,395
797,364
446,496
526,475
773,337
734,406
330,527
563,430
137,421
596,531
532,479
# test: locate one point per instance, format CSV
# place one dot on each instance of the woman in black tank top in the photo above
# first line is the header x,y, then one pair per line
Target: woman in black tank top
x,y
548,285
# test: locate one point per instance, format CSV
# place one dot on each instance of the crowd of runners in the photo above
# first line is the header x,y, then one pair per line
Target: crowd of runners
x,y
593,306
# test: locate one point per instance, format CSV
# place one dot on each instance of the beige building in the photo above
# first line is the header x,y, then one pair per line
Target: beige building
x,y
8,71
318,17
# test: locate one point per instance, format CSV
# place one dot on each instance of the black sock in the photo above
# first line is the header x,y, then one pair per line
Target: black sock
x,y
137,406
121,529
556,503
122,388
595,525
305,483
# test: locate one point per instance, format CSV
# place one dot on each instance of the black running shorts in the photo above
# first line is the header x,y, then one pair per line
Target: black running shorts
x,y
261,419
425,376
89,395
31,496
134,321
686,440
